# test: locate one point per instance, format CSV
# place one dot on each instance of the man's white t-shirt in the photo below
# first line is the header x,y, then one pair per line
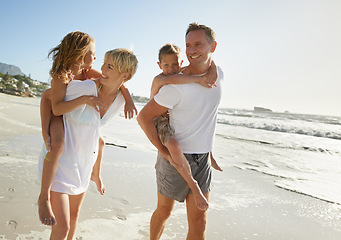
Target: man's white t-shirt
x,y
193,113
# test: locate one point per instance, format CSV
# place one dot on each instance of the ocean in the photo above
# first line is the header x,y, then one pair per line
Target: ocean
x,y
275,164
302,152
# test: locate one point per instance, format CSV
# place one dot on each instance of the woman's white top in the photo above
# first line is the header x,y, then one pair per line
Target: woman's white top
x,y
82,133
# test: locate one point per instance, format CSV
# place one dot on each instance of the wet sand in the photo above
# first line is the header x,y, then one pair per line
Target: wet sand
x,y
244,204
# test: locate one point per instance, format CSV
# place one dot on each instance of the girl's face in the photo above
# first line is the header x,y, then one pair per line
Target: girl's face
x,y
89,58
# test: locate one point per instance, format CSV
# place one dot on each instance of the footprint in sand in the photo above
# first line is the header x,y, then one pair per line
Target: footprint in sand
x,y
121,217
125,202
12,224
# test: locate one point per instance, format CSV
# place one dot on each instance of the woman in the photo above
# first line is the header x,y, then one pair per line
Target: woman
x,y
82,133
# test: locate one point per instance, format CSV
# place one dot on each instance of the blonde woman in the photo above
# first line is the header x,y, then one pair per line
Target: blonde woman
x,y
82,134
72,59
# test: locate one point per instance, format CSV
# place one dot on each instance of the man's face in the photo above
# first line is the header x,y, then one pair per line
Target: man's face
x,y
198,49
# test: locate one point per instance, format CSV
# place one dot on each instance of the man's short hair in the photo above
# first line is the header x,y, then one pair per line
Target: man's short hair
x,y
208,31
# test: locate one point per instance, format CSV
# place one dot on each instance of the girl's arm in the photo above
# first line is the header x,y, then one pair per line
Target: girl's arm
x,y
129,107
60,107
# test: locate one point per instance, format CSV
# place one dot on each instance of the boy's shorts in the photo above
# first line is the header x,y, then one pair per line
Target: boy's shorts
x,y
163,128
172,185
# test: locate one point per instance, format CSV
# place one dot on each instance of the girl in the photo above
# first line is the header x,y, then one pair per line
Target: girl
x,y
73,58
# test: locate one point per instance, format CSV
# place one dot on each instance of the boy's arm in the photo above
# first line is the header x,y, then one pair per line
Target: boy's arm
x,y
156,85
129,107
208,80
60,107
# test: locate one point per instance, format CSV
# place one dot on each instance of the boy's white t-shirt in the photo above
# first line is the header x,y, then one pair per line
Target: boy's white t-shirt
x,y
193,113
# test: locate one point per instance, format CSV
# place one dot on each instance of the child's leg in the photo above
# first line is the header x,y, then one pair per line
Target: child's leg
x,y
181,164
45,116
49,169
96,170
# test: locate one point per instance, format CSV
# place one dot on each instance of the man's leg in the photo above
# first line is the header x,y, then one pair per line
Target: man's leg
x,y
196,219
161,214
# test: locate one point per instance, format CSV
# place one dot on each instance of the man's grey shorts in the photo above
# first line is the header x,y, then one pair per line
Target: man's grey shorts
x,y
171,184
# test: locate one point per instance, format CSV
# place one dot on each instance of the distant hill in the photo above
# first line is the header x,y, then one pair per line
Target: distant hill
x,y
10,69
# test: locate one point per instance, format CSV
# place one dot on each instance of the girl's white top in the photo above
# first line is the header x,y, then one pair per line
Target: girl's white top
x,y
82,133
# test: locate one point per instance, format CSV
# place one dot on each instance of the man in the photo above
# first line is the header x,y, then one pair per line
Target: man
x,y
193,115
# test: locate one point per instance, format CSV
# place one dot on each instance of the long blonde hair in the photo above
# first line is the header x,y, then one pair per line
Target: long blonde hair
x,y
70,51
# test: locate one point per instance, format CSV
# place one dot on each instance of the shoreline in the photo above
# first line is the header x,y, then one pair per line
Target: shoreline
x,y
244,204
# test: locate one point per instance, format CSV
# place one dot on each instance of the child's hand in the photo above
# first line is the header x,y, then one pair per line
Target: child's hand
x,y
129,109
212,75
95,102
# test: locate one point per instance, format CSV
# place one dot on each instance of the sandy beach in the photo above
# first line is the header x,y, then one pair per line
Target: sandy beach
x,y
243,205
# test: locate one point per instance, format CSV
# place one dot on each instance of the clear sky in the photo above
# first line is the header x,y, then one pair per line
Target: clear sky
x,y
279,54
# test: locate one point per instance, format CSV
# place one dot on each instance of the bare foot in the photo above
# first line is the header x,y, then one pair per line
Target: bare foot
x,y
45,213
99,183
200,200
215,165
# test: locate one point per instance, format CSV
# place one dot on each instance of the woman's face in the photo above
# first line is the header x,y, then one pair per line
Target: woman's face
x,y
109,72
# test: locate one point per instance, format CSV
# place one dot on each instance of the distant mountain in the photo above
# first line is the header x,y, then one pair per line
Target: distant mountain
x,y
10,69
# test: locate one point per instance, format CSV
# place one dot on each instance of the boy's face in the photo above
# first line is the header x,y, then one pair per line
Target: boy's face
x,y
170,64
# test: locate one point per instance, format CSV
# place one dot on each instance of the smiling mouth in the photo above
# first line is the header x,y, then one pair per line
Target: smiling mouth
x,y
195,57
103,76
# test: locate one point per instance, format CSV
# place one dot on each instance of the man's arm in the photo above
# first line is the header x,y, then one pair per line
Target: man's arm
x,y
145,120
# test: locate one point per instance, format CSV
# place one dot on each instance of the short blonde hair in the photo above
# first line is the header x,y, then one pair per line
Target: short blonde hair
x,y
169,49
123,61
208,31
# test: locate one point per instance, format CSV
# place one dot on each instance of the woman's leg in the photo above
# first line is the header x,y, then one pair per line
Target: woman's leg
x,y
96,170
66,209
61,209
49,169
75,207
182,166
